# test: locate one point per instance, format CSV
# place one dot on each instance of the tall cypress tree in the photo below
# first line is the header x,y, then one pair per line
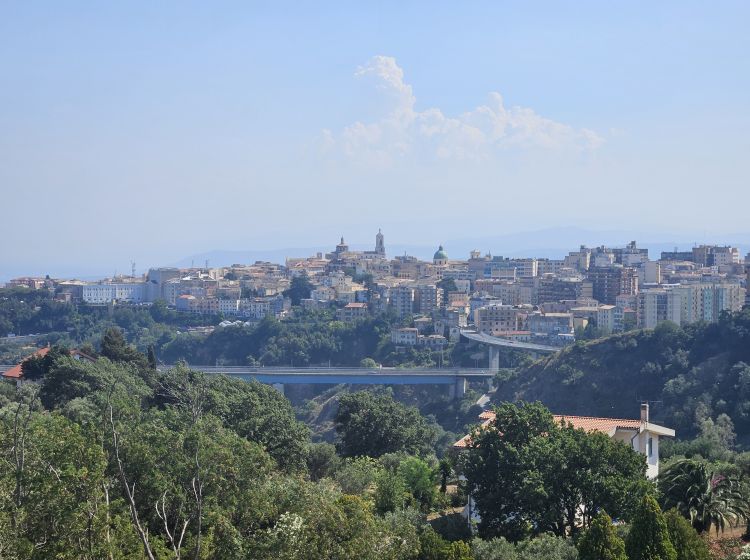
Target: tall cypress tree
x,y
601,541
649,537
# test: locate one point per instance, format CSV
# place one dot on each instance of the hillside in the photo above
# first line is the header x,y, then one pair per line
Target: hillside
x,y
689,374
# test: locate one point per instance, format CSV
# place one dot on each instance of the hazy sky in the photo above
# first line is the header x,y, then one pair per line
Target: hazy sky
x,y
154,130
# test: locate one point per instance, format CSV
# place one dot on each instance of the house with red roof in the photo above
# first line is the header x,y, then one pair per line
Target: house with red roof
x,y
640,434
15,373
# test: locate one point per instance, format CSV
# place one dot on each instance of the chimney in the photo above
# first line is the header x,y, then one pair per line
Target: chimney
x,y
644,412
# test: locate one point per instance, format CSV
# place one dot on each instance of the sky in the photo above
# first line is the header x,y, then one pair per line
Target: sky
x,y
150,131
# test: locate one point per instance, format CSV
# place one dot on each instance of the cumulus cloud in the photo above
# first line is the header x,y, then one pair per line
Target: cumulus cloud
x,y
477,134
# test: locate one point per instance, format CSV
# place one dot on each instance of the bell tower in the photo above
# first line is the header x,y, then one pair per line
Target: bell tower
x,y
380,243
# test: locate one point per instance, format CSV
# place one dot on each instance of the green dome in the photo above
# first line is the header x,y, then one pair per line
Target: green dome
x,y
440,255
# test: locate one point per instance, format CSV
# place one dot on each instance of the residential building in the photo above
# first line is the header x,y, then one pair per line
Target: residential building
x,y
551,324
495,319
427,298
612,281
404,337
352,312
640,434
109,292
402,300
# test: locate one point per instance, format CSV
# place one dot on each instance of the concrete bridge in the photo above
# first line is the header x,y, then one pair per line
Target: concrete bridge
x,y
455,378
494,344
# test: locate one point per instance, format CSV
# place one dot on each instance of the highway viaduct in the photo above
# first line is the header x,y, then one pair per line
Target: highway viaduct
x,y
494,344
455,378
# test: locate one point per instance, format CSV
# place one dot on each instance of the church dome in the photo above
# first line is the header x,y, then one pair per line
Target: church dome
x,y
440,255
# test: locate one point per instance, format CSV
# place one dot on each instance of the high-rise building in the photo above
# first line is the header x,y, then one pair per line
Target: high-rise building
x,y
427,298
612,281
402,300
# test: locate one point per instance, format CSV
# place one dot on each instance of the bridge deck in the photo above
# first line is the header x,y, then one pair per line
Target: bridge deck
x,y
495,341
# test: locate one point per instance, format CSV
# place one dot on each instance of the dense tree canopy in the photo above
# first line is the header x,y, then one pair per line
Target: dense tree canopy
x,y
530,475
374,424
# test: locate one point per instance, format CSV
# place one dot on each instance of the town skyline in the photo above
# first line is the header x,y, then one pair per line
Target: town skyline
x,y
216,134
542,243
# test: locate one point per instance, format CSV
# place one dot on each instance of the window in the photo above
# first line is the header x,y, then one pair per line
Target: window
x,y
650,447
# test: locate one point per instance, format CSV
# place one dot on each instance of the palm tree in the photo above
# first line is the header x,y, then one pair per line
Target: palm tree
x,y
702,495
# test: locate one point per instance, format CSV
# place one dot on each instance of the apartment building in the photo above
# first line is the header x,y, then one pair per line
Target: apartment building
x,y
495,319
402,300
612,281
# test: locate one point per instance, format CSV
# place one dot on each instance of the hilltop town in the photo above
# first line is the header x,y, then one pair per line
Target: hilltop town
x,y
596,291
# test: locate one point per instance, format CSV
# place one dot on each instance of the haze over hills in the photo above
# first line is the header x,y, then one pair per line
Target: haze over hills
x,y
544,243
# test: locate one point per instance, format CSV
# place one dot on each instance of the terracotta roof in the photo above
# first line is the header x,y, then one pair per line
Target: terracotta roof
x,y
16,372
587,423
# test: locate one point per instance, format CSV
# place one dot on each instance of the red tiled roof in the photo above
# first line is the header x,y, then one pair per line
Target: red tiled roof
x,y
587,423
16,372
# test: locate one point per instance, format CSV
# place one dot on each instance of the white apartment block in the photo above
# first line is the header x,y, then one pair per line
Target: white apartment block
x,y
405,337
130,292
229,306
685,304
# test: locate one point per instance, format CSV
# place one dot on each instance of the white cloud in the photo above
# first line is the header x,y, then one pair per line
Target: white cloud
x,y
477,134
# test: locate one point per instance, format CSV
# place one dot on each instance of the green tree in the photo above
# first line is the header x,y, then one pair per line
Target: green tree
x,y
36,367
419,479
704,496
546,547
322,460
299,288
115,347
390,491
531,475
434,547
493,549
686,541
601,541
496,468
151,357
445,469
648,538
373,424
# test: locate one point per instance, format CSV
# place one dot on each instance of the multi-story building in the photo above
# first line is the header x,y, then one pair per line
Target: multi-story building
x,y
658,305
579,260
612,281
229,306
495,319
551,323
427,298
684,304
404,337
499,267
553,288
605,318
352,312
402,300
104,293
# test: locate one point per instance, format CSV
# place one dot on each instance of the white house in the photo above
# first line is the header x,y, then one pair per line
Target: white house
x,y
640,434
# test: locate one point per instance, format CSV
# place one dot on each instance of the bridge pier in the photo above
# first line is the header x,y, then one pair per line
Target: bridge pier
x,y
279,387
458,389
494,356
